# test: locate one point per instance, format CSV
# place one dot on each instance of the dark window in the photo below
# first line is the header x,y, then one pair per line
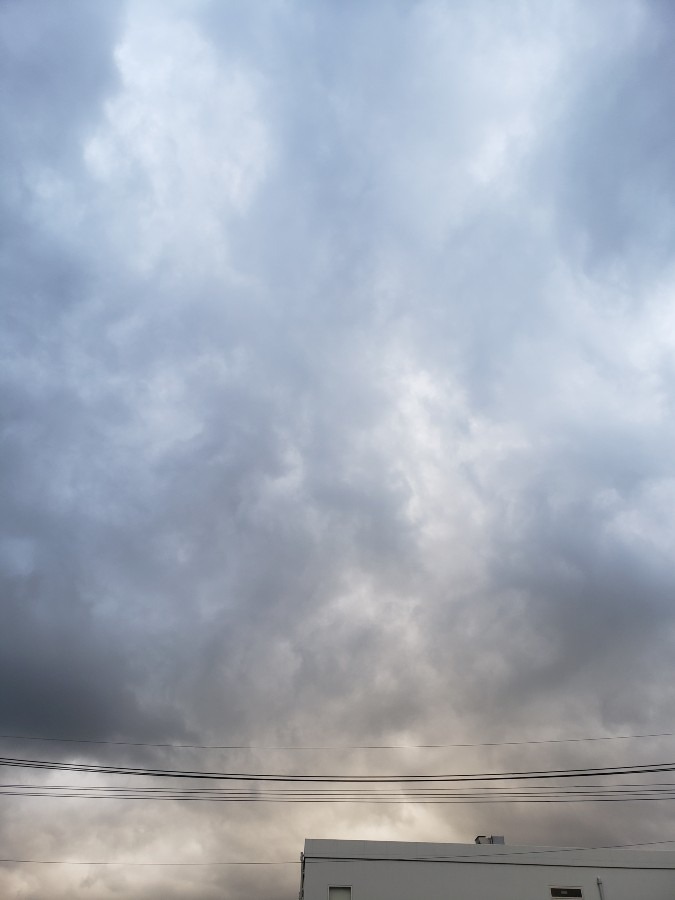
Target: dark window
x,y
339,893
566,892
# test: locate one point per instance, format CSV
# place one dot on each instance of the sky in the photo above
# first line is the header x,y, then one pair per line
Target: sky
x,y
336,391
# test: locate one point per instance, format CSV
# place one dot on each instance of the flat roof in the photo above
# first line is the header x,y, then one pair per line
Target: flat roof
x,y
411,851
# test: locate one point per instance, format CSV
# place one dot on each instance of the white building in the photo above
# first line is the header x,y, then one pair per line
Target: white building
x,y
388,870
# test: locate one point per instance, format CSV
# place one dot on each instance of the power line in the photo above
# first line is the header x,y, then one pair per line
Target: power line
x,y
507,855
265,747
311,859
533,786
99,769
74,862
520,790
481,794
349,797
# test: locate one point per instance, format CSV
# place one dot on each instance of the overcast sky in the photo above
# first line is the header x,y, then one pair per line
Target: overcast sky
x,y
337,390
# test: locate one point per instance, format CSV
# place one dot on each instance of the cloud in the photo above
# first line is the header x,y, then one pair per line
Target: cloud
x,y
336,397
614,195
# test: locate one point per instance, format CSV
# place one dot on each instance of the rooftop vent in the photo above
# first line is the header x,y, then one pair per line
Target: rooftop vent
x,y
490,839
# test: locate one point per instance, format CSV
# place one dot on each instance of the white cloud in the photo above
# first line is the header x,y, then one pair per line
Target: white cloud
x,y
183,148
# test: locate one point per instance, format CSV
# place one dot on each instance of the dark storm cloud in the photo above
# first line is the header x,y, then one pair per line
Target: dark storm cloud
x,y
56,65
323,419
56,68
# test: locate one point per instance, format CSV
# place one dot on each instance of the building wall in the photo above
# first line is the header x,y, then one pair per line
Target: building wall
x,y
397,871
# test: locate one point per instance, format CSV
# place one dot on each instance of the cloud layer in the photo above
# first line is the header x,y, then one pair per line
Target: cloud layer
x,y
337,408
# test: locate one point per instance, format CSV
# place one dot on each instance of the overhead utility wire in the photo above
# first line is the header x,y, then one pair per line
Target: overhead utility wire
x,y
370,799
546,790
520,790
337,779
173,746
97,862
503,853
295,862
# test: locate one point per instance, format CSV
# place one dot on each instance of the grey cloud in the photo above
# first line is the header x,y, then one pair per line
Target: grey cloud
x,y
317,427
56,67
612,145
